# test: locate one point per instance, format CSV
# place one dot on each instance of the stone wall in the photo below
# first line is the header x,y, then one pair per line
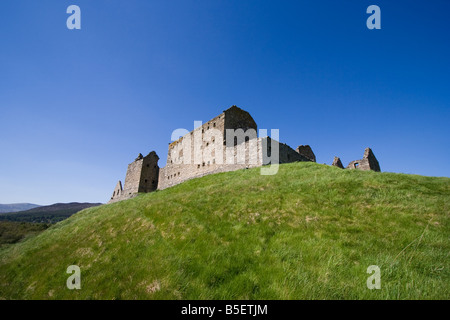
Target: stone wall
x,y
148,181
133,175
236,118
208,149
368,162
306,152
203,151
337,163
117,193
227,142
212,160
142,176
249,154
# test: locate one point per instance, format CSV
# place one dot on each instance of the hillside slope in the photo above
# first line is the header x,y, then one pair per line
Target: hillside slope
x,y
309,232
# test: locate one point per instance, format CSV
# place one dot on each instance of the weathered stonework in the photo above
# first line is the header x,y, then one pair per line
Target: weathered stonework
x,y
307,152
118,190
337,163
227,142
368,162
142,176
208,149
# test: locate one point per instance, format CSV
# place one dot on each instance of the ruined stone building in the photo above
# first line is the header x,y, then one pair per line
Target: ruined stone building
x,y
142,176
368,162
227,142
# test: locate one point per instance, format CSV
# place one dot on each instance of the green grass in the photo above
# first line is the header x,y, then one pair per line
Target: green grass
x,y
309,232
13,231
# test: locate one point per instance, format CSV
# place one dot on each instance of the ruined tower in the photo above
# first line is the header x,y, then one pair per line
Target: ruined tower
x,y
306,152
142,176
337,163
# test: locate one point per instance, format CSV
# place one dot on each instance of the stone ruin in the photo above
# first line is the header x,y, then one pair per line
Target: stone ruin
x,y
337,163
211,152
368,162
307,152
142,176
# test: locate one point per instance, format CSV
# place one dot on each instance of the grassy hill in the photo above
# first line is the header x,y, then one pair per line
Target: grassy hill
x,y
309,232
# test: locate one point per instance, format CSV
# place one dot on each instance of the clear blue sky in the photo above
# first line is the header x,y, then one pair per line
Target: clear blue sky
x,y
76,106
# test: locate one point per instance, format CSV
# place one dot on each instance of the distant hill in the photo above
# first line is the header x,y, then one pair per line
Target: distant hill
x,y
309,232
47,214
15,207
